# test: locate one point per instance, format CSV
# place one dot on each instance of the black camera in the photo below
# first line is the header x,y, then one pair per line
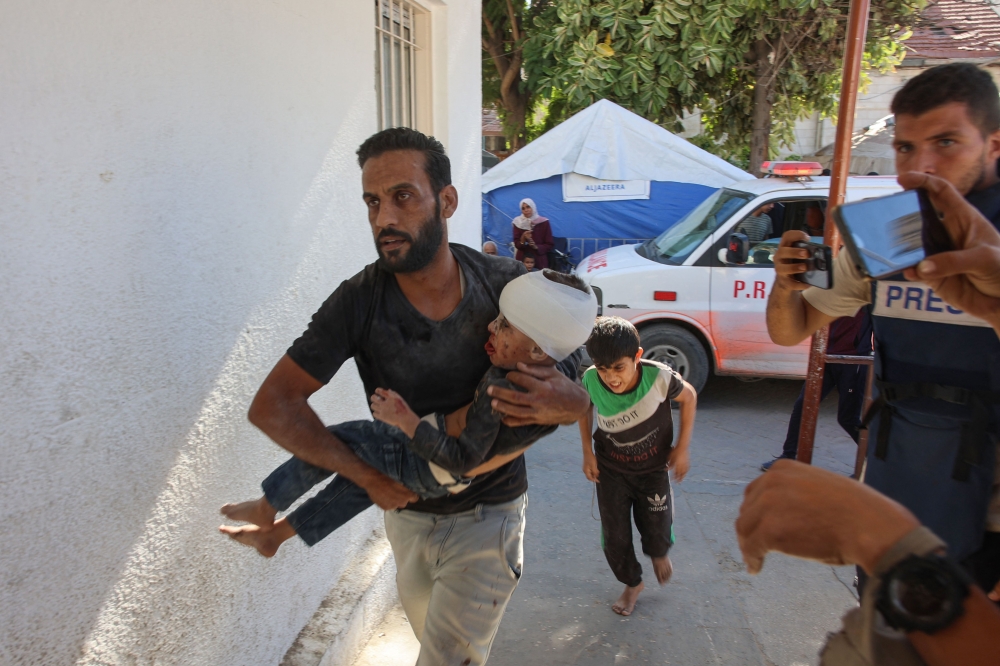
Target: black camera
x,y
819,265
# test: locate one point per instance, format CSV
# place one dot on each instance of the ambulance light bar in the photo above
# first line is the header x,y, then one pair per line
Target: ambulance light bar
x,y
792,168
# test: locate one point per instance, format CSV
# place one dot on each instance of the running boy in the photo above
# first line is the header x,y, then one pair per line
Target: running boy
x,y
544,318
631,451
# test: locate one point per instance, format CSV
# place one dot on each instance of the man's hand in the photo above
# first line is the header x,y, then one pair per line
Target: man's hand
x,y
968,277
281,409
389,407
551,398
590,468
679,462
790,317
808,512
388,494
789,261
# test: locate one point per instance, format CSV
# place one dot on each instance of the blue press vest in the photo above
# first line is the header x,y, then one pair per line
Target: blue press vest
x,y
936,419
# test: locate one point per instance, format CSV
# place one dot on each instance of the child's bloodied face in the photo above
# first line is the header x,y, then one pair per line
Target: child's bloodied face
x,y
622,375
507,346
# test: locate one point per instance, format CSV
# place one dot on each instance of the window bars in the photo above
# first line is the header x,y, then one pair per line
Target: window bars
x,y
395,63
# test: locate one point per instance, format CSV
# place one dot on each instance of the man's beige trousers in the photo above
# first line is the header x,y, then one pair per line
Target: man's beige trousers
x,y
455,574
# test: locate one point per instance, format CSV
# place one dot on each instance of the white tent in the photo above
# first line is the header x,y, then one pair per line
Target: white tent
x,y
608,142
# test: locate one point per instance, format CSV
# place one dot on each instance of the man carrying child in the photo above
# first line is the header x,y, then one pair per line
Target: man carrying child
x,y
544,318
416,321
632,449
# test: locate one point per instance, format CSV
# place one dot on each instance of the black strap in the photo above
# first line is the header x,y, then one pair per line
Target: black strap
x,y
879,406
974,433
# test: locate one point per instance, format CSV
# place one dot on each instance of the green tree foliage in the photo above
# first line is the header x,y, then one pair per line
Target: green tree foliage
x,y
749,65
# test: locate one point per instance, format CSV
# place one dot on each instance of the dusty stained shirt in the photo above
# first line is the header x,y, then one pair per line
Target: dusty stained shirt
x,y
434,365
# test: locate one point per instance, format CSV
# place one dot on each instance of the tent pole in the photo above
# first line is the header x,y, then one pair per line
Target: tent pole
x,y
857,27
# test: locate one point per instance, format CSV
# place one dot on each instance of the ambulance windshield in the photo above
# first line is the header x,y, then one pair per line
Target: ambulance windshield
x,y
677,243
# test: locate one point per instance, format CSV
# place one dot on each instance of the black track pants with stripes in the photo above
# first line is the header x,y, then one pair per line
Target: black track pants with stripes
x,y
647,497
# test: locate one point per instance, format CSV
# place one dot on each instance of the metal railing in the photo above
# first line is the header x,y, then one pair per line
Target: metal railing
x,y
578,248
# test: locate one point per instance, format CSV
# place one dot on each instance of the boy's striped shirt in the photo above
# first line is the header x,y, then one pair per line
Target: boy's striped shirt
x,y
635,429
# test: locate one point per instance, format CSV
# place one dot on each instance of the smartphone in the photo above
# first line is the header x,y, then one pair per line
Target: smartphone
x,y
819,265
888,234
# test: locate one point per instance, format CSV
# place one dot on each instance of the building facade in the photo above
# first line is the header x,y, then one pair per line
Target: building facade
x,y
179,194
948,31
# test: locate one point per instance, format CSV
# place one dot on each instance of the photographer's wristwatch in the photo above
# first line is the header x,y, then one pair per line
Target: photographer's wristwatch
x,y
923,593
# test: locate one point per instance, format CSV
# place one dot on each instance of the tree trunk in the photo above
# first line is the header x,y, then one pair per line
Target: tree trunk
x,y
513,100
763,101
515,115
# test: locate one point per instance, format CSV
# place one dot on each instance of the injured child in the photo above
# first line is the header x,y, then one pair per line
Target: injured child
x,y
544,318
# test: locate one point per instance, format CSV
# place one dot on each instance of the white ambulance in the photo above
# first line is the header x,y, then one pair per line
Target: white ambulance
x,y
694,310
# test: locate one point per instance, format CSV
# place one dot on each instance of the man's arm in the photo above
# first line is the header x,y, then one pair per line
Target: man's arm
x,y
549,397
790,318
800,510
281,409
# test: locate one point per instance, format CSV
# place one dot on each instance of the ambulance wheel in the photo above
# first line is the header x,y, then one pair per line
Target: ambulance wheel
x,y
679,348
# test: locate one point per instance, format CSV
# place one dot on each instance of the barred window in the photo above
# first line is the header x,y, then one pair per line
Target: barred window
x,y
395,63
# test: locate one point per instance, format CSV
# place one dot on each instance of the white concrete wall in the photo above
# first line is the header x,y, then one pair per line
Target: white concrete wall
x,y
178,193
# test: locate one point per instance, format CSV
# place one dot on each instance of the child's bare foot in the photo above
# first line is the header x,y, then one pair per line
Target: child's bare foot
x,y
258,511
663,569
266,541
626,603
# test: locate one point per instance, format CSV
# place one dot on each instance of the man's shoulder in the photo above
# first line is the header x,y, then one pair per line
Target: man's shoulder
x,y
492,271
356,290
987,201
363,280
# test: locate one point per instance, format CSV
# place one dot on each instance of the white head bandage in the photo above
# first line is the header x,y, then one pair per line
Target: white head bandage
x,y
557,317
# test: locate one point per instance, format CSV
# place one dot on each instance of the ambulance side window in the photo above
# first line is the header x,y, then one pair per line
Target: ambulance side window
x,y
806,215
784,215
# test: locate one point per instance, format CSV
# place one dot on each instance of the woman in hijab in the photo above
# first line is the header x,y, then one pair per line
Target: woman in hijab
x,y
533,234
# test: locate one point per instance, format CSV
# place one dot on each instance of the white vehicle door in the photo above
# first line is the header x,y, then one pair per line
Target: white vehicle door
x,y
739,292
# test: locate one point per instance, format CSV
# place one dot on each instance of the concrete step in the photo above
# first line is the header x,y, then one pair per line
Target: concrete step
x,y
355,607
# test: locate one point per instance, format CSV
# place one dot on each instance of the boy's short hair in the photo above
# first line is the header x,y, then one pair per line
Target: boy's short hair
x,y
566,279
958,82
437,166
612,339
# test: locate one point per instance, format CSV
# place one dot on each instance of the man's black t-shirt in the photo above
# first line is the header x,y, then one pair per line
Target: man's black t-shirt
x,y
434,365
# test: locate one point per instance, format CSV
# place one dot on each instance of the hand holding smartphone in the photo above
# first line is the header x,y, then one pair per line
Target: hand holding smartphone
x,y
888,234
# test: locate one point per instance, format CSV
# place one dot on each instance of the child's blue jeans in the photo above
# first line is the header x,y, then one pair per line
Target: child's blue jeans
x,y
378,444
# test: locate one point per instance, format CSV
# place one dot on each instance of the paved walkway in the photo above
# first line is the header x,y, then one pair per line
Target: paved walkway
x,y
712,611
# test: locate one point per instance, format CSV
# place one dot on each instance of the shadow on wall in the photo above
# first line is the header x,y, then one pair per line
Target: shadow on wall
x,y
158,575
147,434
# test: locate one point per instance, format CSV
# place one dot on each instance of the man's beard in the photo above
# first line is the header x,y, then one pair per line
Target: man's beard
x,y
421,249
